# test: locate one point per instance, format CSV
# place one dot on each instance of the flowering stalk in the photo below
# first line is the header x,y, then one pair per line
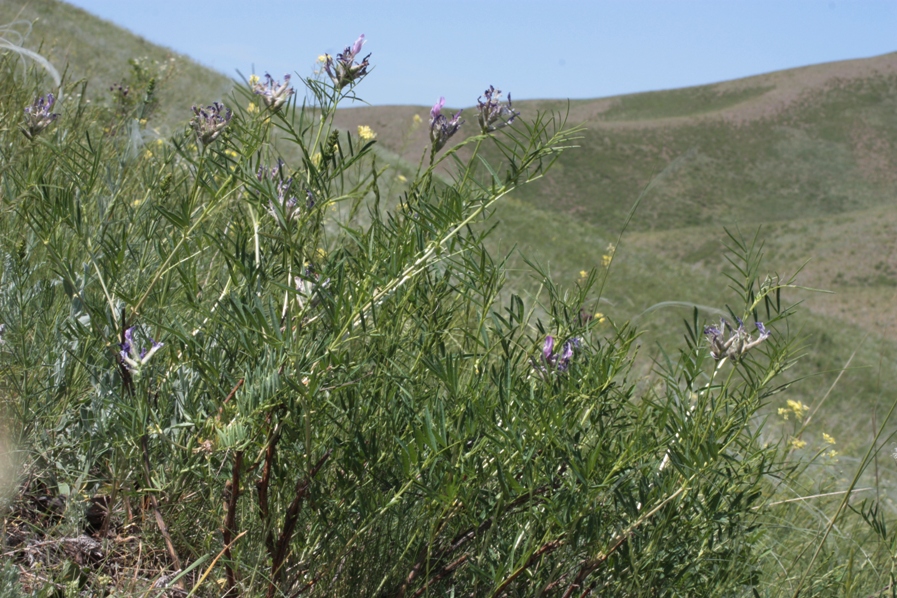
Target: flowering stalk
x,y
285,199
38,116
132,359
492,115
738,343
344,70
559,361
441,128
274,93
209,122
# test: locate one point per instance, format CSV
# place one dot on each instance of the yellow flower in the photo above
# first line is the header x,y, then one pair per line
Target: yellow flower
x,y
160,142
402,178
416,119
583,274
600,317
135,203
828,438
147,154
797,443
322,58
608,256
253,79
142,122
832,454
231,153
366,133
321,253
252,108
784,413
799,409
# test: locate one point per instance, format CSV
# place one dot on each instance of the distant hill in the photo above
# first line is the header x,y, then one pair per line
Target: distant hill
x,y
809,152
88,47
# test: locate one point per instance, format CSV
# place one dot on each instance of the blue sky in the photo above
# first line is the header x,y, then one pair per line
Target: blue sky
x,y
559,49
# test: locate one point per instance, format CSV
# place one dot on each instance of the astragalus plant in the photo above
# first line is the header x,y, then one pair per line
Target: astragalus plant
x,y
282,378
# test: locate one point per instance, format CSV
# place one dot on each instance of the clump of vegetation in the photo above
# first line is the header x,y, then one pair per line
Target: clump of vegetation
x,y
235,367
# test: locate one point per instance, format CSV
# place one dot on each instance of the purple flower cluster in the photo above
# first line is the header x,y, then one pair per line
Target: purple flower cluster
x,y
132,359
441,128
492,114
739,342
274,93
285,199
38,116
209,122
559,361
344,70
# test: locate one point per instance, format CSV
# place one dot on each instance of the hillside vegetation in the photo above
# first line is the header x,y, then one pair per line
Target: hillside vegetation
x,y
378,379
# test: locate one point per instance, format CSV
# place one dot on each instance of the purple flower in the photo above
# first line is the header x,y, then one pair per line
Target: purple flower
x,y
274,93
441,128
264,173
132,359
738,343
547,350
344,70
492,115
552,360
286,199
209,122
38,116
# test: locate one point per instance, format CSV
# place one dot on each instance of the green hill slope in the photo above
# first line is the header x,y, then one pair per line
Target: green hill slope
x,y
85,46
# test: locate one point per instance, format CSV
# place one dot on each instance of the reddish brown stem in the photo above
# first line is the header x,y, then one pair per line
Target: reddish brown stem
x,y
589,566
230,395
546,548
231,495
442,574
261,487
289,523
466,536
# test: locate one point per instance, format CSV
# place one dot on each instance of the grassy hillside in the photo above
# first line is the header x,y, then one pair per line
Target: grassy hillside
x,y
86,47
807,157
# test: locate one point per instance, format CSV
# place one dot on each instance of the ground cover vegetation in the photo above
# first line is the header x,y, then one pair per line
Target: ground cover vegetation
x,y
256,355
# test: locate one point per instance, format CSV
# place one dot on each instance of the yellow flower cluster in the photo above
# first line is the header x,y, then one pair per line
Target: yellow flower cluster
x,y
366,133
253,79
583,274
794,407
608,257
252,108
797,443
828,438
